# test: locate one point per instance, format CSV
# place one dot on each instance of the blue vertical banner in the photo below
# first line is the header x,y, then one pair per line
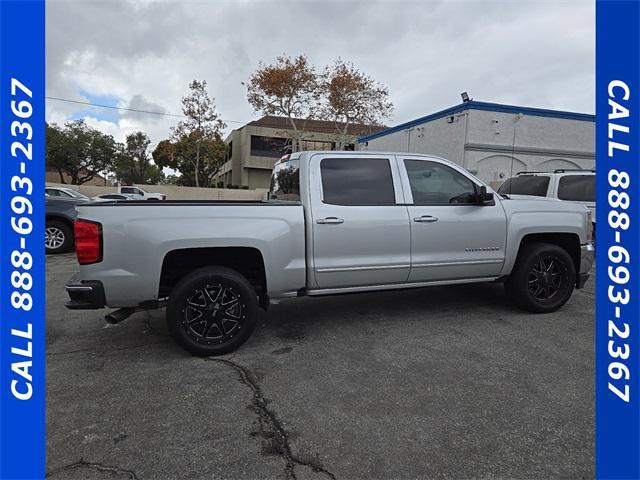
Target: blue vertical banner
x,y
22,307
618,239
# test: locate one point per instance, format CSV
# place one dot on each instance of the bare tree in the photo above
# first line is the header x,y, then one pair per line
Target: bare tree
x,y
351,97
288,88
202,123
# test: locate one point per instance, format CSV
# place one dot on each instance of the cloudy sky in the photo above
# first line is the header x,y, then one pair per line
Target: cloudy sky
x,y
142,54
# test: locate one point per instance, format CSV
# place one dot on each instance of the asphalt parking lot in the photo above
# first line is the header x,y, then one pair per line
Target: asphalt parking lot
x,y
443,382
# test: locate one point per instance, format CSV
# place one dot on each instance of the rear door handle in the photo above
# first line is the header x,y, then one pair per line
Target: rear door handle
x,y
330,220
426,219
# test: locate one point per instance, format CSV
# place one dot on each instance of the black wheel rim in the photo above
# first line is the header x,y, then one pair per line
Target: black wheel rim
x,y
546,277
214,314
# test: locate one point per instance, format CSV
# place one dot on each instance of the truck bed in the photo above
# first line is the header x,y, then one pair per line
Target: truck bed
x,y
138,235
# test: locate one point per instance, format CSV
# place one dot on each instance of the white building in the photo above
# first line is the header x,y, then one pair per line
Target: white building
x,y
495,141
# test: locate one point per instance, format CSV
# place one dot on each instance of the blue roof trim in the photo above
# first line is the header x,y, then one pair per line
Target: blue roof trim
x,y
475,105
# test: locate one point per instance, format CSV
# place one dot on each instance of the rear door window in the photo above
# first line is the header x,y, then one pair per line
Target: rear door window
x,y
577,188
357,181
535,185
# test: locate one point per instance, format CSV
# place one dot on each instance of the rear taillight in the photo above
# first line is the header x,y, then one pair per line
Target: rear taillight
x,y
88,236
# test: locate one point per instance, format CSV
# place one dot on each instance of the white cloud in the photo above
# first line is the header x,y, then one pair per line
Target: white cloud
x,y
537,54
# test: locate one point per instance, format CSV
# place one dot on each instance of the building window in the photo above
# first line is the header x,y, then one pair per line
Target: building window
x,y
274,147
317,145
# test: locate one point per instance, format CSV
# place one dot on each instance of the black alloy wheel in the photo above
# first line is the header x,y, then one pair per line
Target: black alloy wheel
x,y
542,279
546,276
214,314
212,311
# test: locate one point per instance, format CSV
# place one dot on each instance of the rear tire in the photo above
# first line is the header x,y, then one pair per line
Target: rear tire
x,y
58,237
212,311
542,279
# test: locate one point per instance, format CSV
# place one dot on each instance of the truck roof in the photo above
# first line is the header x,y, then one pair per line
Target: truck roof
x,y
351,153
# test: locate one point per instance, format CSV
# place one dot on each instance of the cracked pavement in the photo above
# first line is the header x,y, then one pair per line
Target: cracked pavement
x,y
443,382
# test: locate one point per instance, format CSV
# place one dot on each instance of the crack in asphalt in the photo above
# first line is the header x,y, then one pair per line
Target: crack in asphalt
x,y
270,428
93,466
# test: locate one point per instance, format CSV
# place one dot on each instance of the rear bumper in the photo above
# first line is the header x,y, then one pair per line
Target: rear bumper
x,y
587,256
84,294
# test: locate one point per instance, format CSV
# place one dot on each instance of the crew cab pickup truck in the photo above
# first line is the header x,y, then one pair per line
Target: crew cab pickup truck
x,y
334,222
138,193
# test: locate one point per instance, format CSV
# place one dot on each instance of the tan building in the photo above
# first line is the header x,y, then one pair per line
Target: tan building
x,y
52,176
255,147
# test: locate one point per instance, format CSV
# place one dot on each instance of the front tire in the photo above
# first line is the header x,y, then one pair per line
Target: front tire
x,y
212,311
58,237
542,279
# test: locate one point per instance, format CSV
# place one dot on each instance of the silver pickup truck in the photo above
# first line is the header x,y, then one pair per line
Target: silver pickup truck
x,y
335,222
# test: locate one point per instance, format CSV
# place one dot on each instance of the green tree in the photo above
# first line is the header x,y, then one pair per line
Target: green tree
x,y
199,135
179,155
170,179
133,163
79,151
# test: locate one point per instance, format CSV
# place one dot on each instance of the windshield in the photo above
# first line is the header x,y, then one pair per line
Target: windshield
x,y
285,181
535,185
75,194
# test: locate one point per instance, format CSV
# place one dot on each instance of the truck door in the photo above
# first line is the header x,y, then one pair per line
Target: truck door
x,y
136,193
360,227
451,237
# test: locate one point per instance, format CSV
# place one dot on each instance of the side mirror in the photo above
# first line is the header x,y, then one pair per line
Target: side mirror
x,y
484,197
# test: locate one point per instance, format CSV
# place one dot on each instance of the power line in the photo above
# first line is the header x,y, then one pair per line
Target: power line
x,y
127,109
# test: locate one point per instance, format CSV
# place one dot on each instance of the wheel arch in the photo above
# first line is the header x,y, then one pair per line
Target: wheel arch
x,y
248,261
62,218
570,242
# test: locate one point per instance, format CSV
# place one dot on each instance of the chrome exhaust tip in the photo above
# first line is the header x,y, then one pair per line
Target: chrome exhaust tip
x,y
119,315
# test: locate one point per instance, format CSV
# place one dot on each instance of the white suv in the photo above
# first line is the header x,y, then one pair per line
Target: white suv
x,y
577,186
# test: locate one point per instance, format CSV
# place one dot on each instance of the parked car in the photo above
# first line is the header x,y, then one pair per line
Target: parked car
x,y
63,192
60,213
352,222
138,193
109,197
577,186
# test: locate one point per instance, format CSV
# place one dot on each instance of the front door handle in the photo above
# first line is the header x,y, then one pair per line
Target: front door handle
x,y
426,219
330,220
